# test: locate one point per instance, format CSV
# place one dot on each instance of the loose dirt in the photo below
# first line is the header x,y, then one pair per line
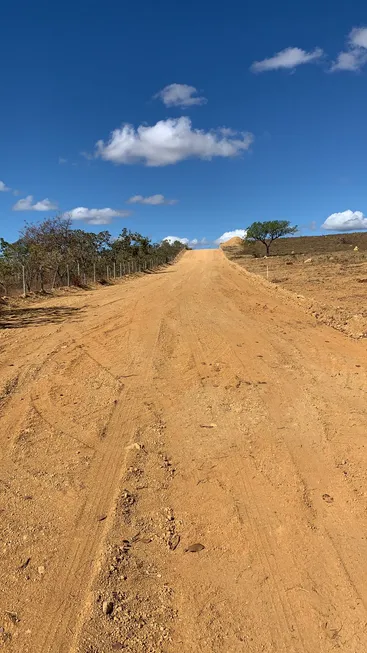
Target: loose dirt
x,y
233,242
183,468
333,285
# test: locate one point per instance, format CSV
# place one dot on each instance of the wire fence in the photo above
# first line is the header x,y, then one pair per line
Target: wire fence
x,y
23,280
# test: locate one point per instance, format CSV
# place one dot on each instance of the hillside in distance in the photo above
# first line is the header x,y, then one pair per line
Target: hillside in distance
x,y
300,245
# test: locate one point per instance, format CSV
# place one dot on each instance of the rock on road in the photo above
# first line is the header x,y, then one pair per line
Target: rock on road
x,y
195,405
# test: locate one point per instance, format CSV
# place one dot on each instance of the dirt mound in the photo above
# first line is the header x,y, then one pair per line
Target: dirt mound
x,y
236,241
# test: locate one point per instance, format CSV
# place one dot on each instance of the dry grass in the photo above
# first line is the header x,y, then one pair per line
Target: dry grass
x,y
332,282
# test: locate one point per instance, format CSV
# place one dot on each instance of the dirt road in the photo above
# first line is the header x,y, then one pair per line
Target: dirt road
x,y
197,405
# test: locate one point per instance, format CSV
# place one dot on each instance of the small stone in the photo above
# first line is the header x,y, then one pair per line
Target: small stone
x,y
174,541
107,607
25,563
195,548
12,616
101,517
41,570
134,445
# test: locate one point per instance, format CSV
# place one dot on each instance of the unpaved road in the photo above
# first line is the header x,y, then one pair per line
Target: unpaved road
x,y
195,405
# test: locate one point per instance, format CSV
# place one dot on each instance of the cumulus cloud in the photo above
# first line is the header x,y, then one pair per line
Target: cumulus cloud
x,y
96,216
153,199
27,204
240,233
345,221
355,56
358,37
186,241
198,241
289,58
3,187
352,60
172,239
180,95
169,141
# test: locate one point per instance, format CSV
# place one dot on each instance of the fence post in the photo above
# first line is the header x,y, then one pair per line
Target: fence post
x,y
24,286
114,270
67,276
108,272
120,270
78,268
94,273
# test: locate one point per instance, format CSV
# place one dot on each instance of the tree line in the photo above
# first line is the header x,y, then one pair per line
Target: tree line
x,y
52,253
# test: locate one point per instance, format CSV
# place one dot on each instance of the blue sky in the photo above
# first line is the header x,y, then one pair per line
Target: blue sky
x,y
287,84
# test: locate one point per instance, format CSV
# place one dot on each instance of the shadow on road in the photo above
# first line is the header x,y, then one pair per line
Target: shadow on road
x,y
17,318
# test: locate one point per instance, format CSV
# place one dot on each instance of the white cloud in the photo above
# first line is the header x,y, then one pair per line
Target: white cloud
x,y
358,37
197,241
172,239
345,221
3,187
95,216
180,95
186,241
240,233
288,58
169,141
355,57
153,199
44,205
27,204
62,160
352,60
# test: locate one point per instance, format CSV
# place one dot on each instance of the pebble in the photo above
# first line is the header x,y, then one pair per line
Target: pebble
x,y
41,570
107,607
195,548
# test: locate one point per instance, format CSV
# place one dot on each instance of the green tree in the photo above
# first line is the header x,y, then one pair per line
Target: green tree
x,y
267,232
51,253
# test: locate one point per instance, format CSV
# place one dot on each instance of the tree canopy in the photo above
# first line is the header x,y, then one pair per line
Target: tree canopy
x,y
53,250
267,232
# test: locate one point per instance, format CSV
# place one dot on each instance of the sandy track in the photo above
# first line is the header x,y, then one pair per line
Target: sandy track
x,y
201,403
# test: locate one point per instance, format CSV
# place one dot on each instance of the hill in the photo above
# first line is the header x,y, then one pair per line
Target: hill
x,y
301,245
236,241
